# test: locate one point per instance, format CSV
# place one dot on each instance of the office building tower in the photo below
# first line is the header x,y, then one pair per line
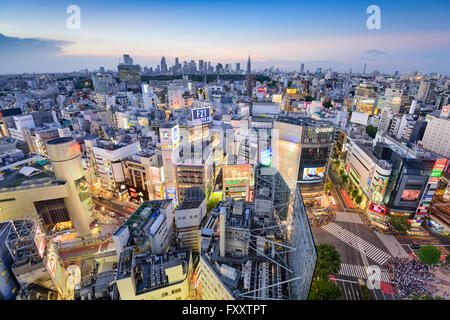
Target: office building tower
x,y
163,65
302,68
249,66
238,67
302,151
437,133
127,59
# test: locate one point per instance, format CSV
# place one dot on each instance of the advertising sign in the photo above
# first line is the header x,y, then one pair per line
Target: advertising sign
x,y
380,184
201,115
39,241
313,173
236,175
266,157
410,195
377,208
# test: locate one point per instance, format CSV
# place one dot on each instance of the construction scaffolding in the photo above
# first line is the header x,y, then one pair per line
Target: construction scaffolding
x,y
282,236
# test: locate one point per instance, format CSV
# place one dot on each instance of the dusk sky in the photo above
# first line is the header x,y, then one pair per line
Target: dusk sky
x,y
414,35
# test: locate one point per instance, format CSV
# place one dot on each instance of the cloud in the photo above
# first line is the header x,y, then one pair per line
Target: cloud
x,y
5,25
28,53
374,55
374,52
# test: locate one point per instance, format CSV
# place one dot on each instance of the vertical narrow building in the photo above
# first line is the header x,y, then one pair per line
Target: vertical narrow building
x,y
64,154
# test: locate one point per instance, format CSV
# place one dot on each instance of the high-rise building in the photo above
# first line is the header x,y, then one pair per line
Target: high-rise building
x,y
65,156
249,66
302,68
163,65
437,133
127,59
238,67
302,151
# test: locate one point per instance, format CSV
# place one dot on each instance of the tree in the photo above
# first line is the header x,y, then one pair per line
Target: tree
x,y
344,178
211,205
429,255
350,188
328,186
399,224
324,289
358,199
309,98
337,163
447,258
327,104
341,172
328,260
417,297
355,192
371,131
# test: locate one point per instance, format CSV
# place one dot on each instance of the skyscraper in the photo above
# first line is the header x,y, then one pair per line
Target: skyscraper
x,y
238,67
163,65
127,59
249,66
302,68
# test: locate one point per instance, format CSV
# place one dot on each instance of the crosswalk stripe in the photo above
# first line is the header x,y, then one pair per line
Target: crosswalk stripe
x,y
356,271
371,251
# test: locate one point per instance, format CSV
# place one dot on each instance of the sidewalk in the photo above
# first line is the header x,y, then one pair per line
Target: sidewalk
x,y
392,244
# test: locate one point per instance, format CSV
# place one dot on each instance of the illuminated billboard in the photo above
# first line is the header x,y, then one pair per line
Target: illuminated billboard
x,y
236,175
377,208
201,115
39,241
266,157
170,137
410,195
313,173
380,184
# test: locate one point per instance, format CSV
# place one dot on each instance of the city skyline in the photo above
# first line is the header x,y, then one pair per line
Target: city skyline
x,y
412,35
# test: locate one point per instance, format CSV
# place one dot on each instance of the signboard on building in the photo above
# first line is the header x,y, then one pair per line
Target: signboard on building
x,y
201,115
236,175
410,195
39,241
313,173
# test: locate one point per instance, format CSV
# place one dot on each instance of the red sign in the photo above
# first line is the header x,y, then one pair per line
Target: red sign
x,y
377,208
410,194
434,180
445,109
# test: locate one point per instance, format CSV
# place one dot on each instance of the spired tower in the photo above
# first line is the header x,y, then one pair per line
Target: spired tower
x,y
65,156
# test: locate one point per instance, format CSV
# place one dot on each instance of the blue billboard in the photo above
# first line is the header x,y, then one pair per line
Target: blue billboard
x,y
201,115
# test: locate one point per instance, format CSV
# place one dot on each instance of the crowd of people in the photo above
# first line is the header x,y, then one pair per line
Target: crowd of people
x,y
321,220
410,276
365,219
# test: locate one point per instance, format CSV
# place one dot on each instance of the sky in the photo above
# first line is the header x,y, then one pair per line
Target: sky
x,y
414,35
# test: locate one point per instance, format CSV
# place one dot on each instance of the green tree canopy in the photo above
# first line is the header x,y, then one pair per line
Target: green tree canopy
x,y
327,104
328,260
371,131
309,98
324,289
328,186
429,255
355,193
447,258
358,199
399,224
211,205
344,178
337,163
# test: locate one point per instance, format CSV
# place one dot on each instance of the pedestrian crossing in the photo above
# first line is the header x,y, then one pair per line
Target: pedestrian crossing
x,y
351,270
369,250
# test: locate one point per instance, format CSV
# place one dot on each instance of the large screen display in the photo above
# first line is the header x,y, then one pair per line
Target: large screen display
x,y
410,195
313,173
39,241
236,175
201,115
